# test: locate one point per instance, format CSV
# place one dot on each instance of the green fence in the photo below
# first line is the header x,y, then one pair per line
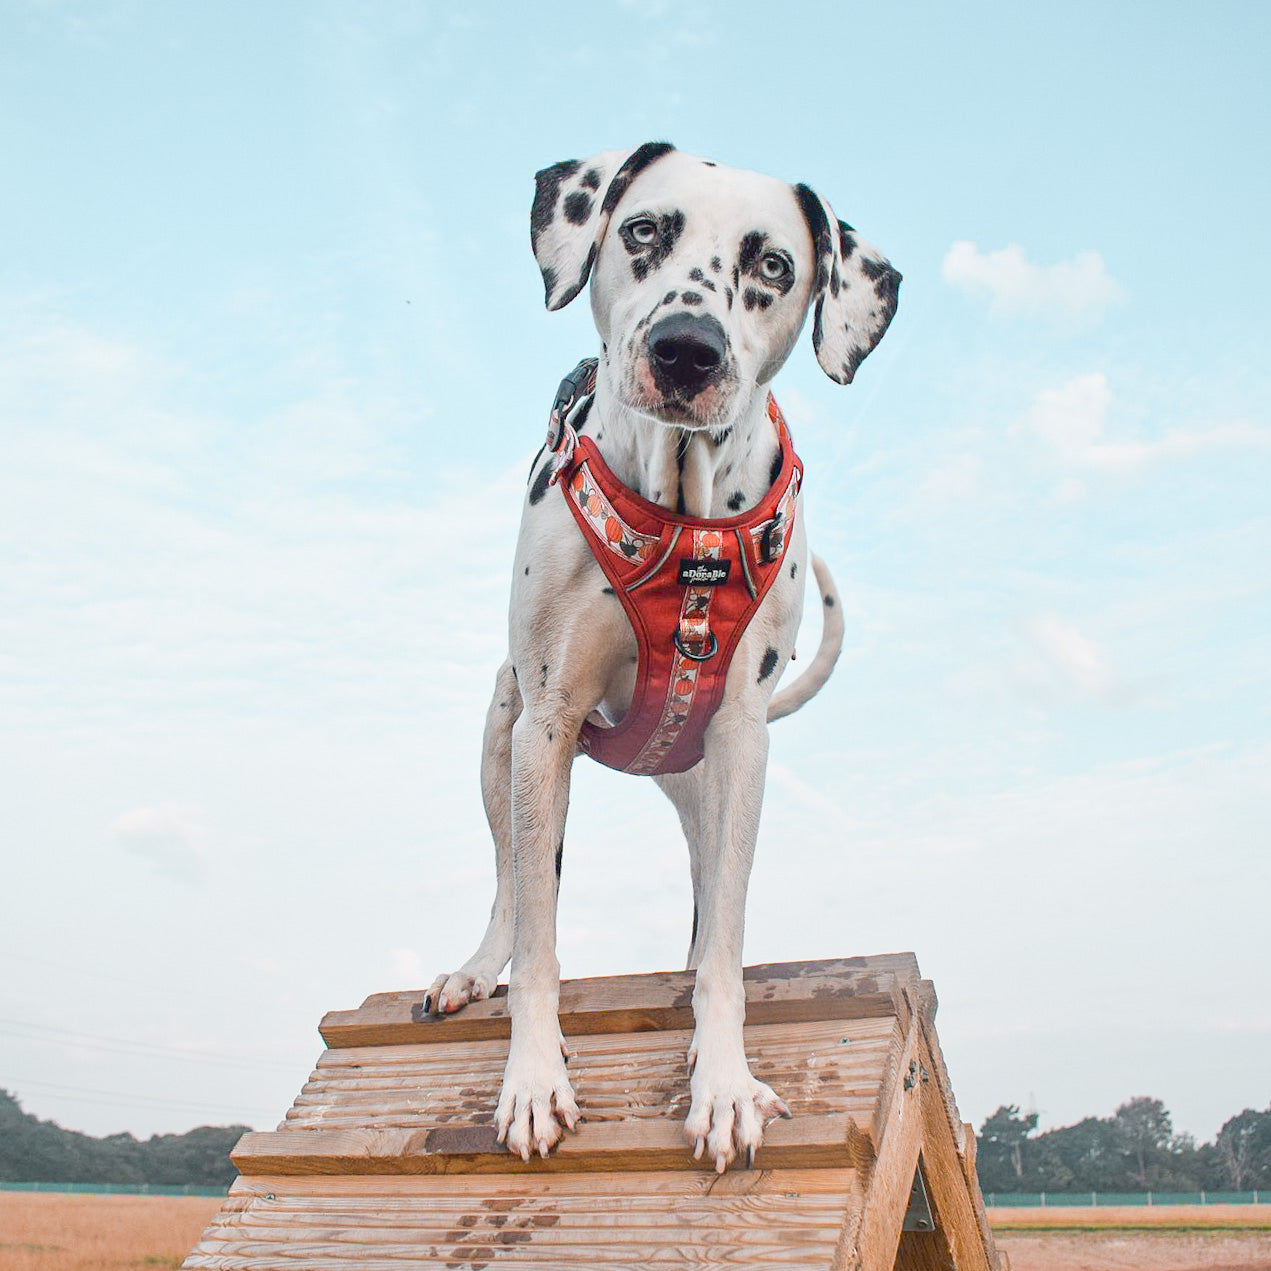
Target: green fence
x,y
117,1189
1032,1200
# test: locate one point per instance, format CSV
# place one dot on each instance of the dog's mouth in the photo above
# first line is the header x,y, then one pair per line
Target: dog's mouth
x,y
695,407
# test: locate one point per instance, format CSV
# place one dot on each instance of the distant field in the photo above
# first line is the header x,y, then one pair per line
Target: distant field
x,y
1135,1218
60,1232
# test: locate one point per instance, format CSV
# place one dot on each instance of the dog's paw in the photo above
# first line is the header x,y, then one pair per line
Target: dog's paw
x,y
537,1099
451,992
729,1111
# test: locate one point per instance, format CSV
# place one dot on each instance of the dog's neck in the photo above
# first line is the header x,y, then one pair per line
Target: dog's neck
x,y
692,472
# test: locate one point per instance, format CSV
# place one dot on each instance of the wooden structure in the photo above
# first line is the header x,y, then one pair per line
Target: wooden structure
x,y
388,1160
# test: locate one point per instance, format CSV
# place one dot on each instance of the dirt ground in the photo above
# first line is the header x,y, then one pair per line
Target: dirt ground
x,y
59,1232
54,1231
1213,1238
1137,1251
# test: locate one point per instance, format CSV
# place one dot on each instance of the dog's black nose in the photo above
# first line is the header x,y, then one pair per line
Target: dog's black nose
x,y
686,352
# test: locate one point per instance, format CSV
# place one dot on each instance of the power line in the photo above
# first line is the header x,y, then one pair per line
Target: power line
x,y
123,1045
117,1098
80,972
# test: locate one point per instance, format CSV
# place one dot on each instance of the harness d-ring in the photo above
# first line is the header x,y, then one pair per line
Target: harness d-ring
x,y
698,657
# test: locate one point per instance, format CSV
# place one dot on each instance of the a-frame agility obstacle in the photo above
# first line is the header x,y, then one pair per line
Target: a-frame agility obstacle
x,y
387,1159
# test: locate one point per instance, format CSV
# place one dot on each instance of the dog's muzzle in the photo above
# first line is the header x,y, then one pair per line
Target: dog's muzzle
x,y
686,353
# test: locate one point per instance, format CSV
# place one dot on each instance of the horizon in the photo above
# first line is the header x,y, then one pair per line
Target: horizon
x,y
272,342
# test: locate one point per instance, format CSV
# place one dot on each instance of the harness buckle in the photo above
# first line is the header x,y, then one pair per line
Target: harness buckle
x,y
773,540
578,382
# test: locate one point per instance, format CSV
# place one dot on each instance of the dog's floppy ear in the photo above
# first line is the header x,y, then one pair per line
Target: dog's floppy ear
x,y
572,203
856,289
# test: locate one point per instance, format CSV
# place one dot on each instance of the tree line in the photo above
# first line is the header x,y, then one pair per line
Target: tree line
x,y
1133,1150
35,1151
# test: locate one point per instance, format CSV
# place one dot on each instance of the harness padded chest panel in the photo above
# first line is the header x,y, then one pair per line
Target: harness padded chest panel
x,y
690,586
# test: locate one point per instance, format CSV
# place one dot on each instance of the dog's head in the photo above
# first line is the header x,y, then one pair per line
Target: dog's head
x,y
702,277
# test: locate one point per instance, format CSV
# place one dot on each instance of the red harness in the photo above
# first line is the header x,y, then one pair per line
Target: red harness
x,y
690,586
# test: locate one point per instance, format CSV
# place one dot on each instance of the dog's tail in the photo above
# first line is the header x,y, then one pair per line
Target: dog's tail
x,y
789,699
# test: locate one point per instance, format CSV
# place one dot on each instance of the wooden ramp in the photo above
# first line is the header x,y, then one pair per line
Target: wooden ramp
x,y
387,1159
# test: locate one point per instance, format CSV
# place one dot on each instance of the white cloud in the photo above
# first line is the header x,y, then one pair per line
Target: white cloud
x,y
1080,288
1063,657
1072,420
960,477
168,837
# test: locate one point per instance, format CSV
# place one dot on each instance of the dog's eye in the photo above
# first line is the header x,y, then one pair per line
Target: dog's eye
x,y
773,267
642,231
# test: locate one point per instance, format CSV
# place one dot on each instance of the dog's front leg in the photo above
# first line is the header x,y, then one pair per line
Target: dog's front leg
x,y
537,1097
477,978
721,799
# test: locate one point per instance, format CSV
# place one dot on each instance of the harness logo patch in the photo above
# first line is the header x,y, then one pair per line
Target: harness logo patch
x,y
703,573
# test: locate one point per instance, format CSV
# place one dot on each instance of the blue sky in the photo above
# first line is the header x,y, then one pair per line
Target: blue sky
x,y
273,359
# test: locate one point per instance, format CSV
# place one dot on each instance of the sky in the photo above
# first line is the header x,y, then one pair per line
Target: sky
x,y
274,360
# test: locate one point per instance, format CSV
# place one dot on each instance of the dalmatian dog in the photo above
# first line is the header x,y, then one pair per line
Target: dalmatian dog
x,y
701,280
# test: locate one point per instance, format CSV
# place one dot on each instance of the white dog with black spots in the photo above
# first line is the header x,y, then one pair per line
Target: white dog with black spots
x,y
701,280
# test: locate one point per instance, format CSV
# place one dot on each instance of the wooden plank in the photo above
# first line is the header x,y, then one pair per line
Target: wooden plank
x,y
873,1244
393,1189
819,1068
823,1142
782,992
960,1234
778,1219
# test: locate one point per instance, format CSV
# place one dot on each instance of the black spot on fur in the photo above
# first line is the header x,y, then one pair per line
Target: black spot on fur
x,y
546,193
607,591
716,264
768,665
775,470
670,295
756,299
549,281
829,602
577,207
693,938
582,277
543,678
591,179
748,254
735,500
817,333
541,483
707,163
692,297
560,856
650,257
635,164
527,571
514,674
835,280
794,568
710,286
728,295
818,225
579,421
696,275
847,240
